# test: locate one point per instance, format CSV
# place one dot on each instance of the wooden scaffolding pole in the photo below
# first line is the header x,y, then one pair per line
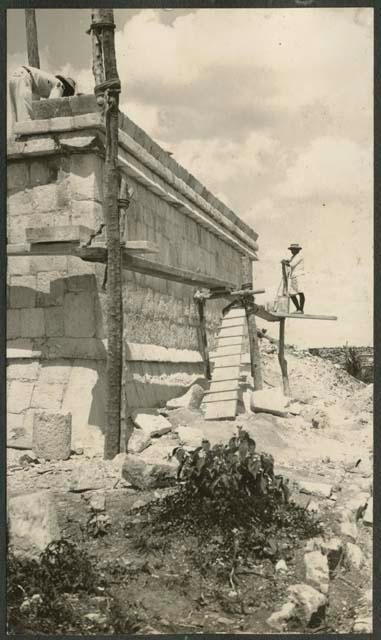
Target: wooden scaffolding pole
x,y
200,302
282,359
255,356
31,38
103,27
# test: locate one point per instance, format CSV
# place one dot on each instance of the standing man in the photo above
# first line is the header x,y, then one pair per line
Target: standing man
x,y
296,277
29,83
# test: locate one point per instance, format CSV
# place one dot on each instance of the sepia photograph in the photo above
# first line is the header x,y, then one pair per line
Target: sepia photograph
x,y
189,323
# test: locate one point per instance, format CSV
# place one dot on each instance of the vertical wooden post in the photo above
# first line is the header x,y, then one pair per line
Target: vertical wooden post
x,y
282,359
31,38
110,91
285,286
203,338
255,356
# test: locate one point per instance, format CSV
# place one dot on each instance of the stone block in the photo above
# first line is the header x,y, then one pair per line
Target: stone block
x,y
13,323
45,279
32,523
48,396
76,266
17,175
19,397
87,212
79,315
22,370
85,399
48,263
54,323
39,172
32,323
83,282
19,265
22,292
86,177
85,348
19,205
45,198
52,435
55,372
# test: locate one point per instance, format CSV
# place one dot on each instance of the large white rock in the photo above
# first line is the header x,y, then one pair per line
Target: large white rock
x,y
146,425
354,557
363,625
32,523
317,571
269,401
349,529
319,489
52,435
191,399
278,620
308,600
190,436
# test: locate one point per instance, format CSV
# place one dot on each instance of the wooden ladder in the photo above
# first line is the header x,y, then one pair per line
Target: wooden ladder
x,y
221,401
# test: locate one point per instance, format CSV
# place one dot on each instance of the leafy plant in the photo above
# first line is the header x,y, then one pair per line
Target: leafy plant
x,y
228,496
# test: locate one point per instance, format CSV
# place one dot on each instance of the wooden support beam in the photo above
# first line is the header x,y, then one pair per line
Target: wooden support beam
x,y
282,359
138,264
255,356
31,38
203,338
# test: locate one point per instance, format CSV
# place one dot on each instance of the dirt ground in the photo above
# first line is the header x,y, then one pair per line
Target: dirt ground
x,y
160,586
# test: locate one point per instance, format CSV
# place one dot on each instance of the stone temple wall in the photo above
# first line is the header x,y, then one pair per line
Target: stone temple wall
x,y
56,322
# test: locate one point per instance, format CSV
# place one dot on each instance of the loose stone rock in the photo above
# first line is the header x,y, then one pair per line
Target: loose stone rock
x,y
192,399
354,557
316,489
190,436
32,523
87,478
98,502
310,602
278,620
349,529
363,625
143,475
52,435
317,572
281,566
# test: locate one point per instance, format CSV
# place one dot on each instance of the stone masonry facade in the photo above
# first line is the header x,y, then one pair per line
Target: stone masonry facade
x,y
56,306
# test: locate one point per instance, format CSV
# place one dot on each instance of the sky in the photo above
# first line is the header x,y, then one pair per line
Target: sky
x,y
272,109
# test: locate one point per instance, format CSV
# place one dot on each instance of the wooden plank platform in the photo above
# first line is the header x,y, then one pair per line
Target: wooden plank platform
x,y
274,316
221,401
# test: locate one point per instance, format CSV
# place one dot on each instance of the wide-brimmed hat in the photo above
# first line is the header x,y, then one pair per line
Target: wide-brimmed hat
x,y
295,245
69,82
